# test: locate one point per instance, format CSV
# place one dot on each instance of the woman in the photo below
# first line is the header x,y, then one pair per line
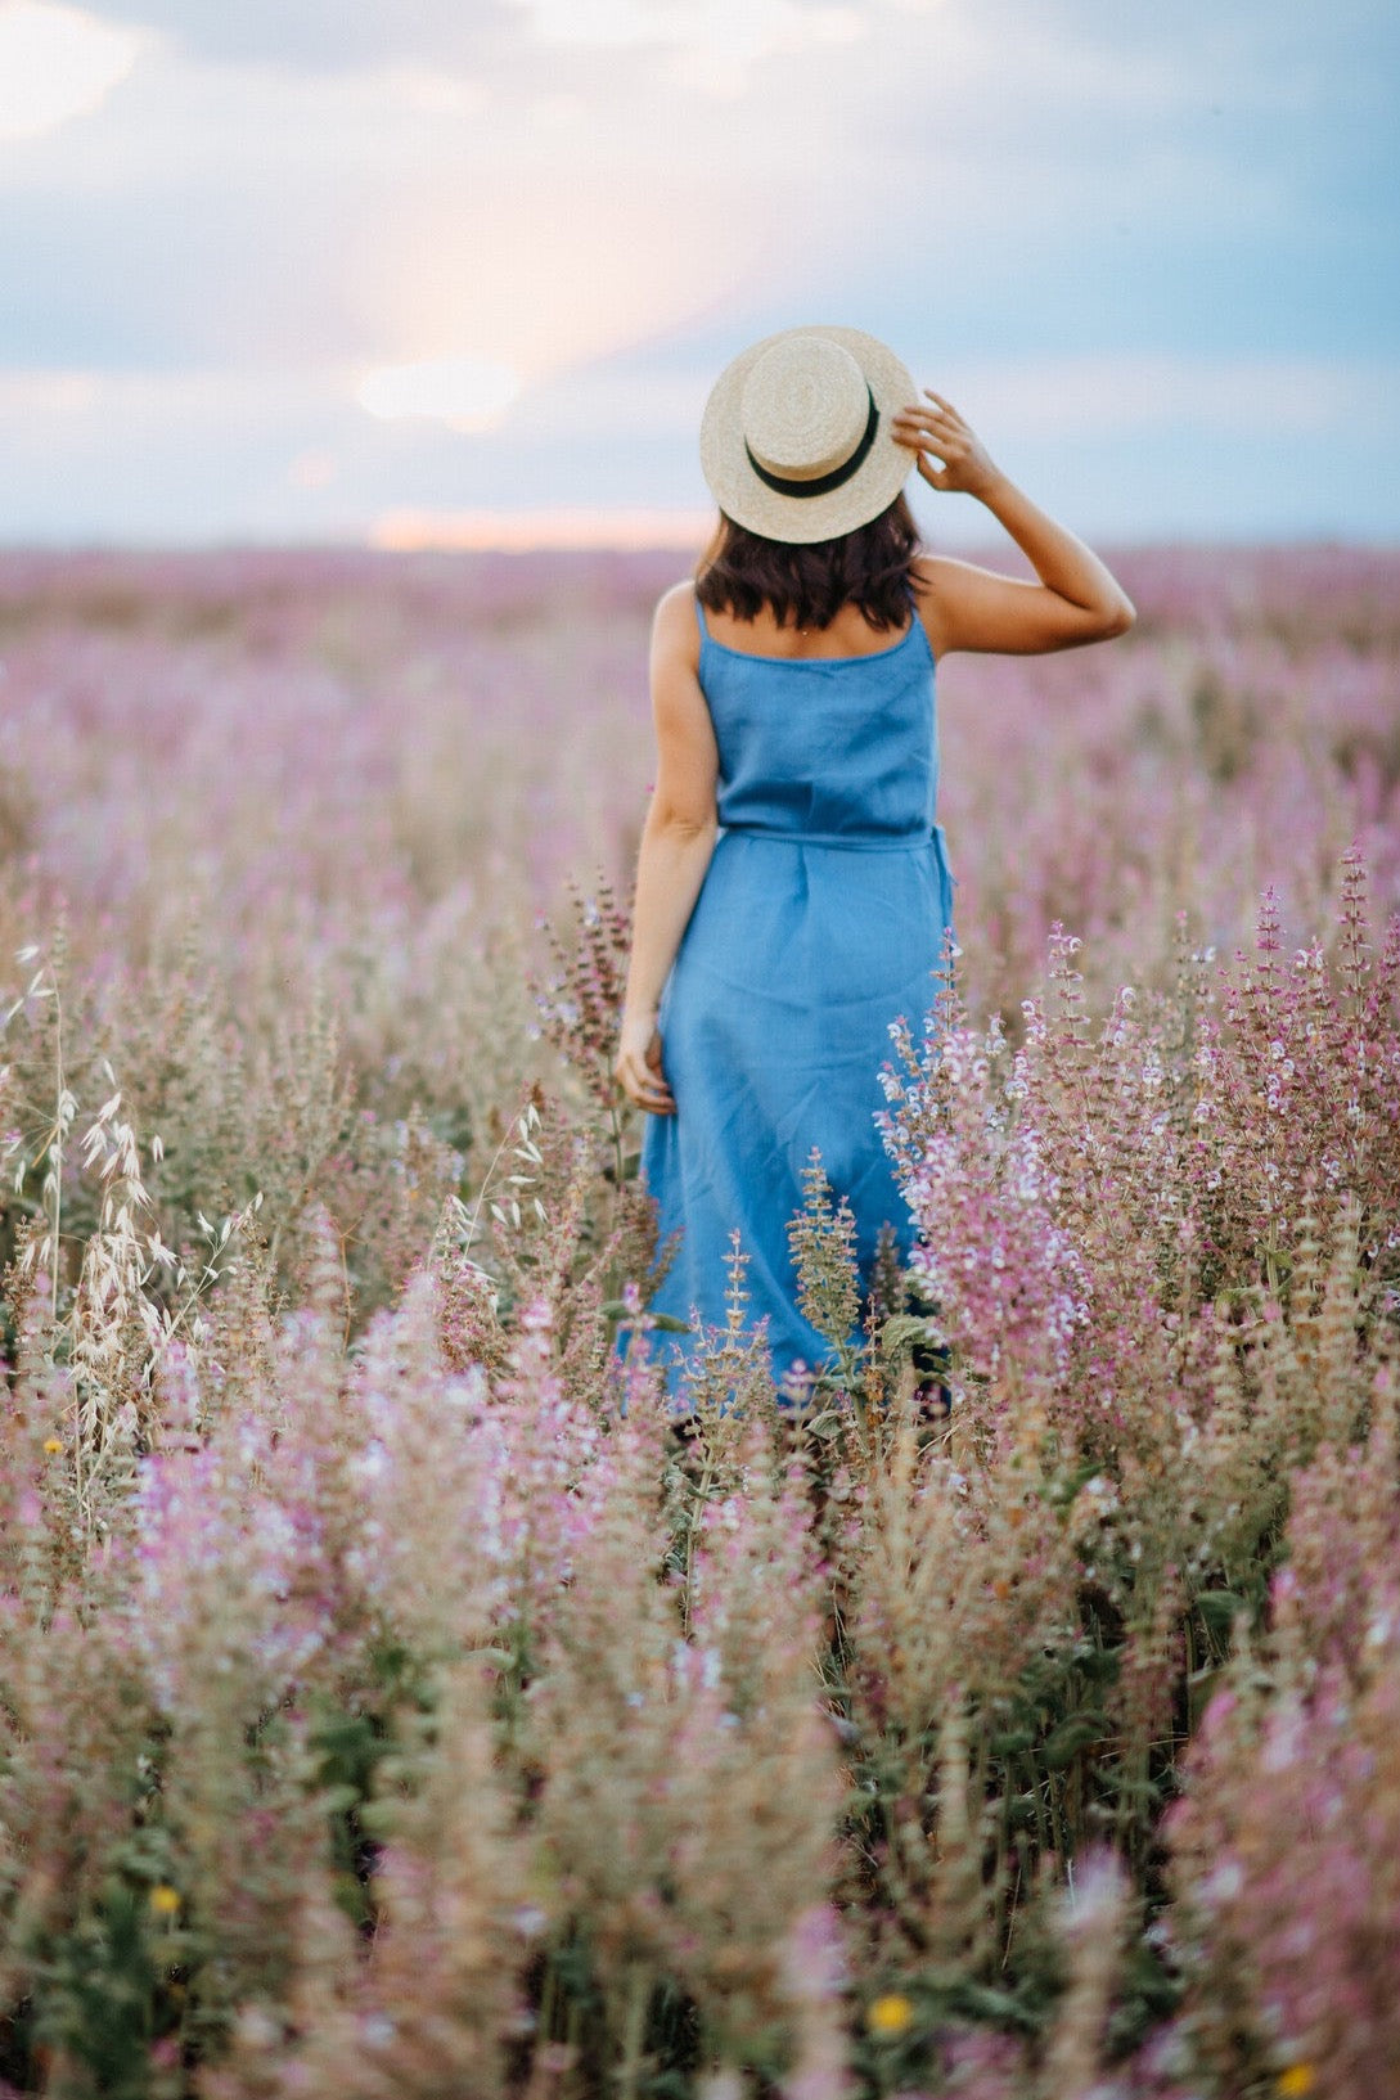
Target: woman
x,y
793,891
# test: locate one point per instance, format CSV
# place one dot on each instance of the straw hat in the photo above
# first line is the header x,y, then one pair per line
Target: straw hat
x,y
795,441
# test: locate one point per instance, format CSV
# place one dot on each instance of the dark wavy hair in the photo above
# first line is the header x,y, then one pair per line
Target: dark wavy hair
x,y
872,567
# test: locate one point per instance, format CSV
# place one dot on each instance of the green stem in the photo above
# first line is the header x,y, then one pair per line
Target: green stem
x,y
546,2014
700,1497
634,2032
572,2026
56,1169
618,1163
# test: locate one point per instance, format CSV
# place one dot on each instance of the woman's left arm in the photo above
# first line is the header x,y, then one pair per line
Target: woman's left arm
x,y
1076,598
677,842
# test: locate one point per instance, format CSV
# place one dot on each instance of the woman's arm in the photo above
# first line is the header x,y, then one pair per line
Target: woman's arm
x,y
964,607
677,841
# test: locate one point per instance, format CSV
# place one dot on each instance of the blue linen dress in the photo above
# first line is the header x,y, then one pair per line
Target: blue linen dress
x,y
820,920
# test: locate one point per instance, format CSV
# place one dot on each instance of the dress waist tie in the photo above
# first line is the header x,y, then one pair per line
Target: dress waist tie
x,y
865,842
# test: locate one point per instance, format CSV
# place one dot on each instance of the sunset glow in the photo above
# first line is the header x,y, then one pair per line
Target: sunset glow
x,y
526,532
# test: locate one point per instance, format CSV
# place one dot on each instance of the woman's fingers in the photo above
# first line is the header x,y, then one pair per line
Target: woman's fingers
x,y
923,424
644,1086
938,428
638,1069
930,434
645,1089
654,1100
941,411
933,429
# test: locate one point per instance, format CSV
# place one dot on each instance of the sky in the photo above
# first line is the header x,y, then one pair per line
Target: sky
x,y
407,272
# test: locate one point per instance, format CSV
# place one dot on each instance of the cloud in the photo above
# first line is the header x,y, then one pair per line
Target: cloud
x,y
633,398
325,36
1025,399
321,36
713,45
57,63
1100,396
463,392
50,397
1132,447
388,216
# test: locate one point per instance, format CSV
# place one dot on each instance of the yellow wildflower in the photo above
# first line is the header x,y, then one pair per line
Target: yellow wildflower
x,y
53,1444
890,2014
165,1901
1297,2080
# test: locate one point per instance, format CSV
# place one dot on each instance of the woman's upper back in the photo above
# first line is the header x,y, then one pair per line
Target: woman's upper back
x,y
816,742
850,634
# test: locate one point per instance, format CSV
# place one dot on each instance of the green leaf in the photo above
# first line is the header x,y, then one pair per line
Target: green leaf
x,y
823,1425
1071,1737
336,1800
1147,1791
663,1323
903,1330
982,2002
381,1819
1011,1741
1218,1609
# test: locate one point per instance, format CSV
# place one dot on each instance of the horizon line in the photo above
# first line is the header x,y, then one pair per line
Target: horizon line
x,y
616,531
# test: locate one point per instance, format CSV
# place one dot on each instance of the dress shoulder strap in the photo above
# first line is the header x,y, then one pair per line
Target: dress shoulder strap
x,y
700,616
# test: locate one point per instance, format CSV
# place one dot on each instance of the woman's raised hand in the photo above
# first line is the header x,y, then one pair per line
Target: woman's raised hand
x,y
941,432
638,1069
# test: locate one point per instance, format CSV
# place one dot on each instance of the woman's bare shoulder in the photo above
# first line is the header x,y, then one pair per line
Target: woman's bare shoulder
x,y
936,575
680,596
924,578
939,580
674,626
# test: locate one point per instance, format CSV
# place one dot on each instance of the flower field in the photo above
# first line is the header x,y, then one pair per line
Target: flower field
x,y
392,1702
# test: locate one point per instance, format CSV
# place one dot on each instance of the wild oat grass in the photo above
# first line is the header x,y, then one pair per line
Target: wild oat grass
x,y
391,1701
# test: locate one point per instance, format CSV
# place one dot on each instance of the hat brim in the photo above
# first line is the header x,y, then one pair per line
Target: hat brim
x,y
802,520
